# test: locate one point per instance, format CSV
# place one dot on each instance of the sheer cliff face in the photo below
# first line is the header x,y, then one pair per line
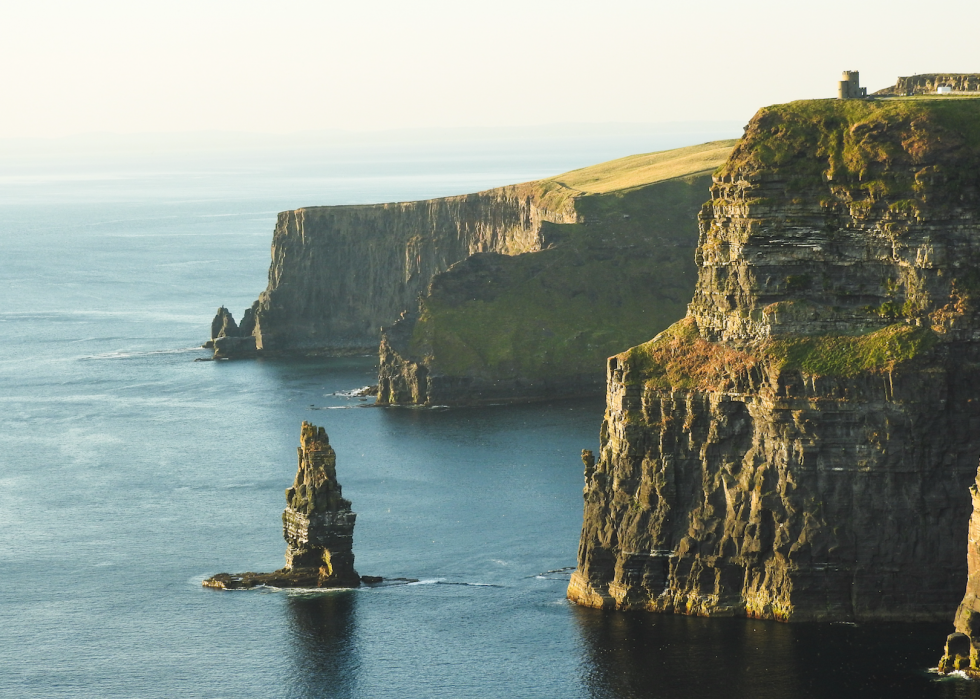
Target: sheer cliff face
x,y
801,445
338,273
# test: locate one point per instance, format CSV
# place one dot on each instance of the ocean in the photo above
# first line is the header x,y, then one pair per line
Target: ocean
x,y
129,473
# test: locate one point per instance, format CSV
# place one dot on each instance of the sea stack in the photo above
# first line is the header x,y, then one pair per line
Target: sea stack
x,y
318,526
962,652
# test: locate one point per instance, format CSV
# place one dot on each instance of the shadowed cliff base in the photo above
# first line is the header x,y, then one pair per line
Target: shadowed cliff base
x,y
670,656
800,446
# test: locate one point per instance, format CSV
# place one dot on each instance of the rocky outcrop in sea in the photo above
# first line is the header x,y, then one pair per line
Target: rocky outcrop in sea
x,y
801,446
318,526
228,339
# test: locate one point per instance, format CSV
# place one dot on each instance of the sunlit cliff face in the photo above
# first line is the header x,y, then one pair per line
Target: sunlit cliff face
x,y
808,430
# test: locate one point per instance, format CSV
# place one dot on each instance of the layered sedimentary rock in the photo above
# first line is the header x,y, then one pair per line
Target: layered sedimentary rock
x,y
800,446
228,339
928,83
318,526
339,273
539,325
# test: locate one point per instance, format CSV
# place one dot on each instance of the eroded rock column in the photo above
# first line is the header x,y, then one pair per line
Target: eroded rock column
x,y
318,526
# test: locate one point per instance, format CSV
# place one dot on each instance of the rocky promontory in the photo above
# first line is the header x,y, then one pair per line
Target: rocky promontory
x,y
800,446
318,526
339,273
539,325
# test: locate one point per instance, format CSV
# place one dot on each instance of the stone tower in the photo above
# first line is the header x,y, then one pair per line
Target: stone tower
x,y
849,86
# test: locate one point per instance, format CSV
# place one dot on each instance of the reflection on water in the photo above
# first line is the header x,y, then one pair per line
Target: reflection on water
x,y
650,655
632,655
323,644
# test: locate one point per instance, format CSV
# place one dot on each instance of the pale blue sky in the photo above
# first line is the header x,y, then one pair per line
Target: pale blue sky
x,y
107,65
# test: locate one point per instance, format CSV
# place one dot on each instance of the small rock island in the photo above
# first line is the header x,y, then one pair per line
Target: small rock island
x,y
318,526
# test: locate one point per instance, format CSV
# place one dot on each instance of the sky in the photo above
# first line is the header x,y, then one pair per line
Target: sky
x,y
293,66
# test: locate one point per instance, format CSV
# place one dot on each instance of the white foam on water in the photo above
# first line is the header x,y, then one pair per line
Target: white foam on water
x,y
353,392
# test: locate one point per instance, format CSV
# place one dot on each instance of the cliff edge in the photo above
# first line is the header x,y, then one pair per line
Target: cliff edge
x,y
800,446
340,273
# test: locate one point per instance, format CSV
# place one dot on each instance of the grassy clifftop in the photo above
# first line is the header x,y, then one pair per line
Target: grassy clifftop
x,y
648,168
875,145
680,359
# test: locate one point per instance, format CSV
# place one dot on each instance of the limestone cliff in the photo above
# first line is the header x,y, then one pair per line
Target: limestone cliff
x,y
539,325
339,272
318,526
800,446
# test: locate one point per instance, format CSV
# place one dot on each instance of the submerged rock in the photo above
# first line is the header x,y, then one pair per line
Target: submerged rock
x,y
318,526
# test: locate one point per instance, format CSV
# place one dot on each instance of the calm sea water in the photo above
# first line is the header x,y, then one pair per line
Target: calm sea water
x,y
129,472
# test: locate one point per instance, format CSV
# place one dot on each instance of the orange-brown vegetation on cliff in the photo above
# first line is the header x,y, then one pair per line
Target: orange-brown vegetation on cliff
x,y
680,359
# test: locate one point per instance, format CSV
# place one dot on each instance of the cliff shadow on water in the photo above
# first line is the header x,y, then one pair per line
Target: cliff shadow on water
x,y
800,446
667,656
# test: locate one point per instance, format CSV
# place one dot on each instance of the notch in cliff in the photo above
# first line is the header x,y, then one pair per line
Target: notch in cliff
x,y
318,526
800,446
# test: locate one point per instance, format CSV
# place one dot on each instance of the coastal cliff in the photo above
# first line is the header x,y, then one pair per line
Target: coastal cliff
x,y
339,273
539,325
800,446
